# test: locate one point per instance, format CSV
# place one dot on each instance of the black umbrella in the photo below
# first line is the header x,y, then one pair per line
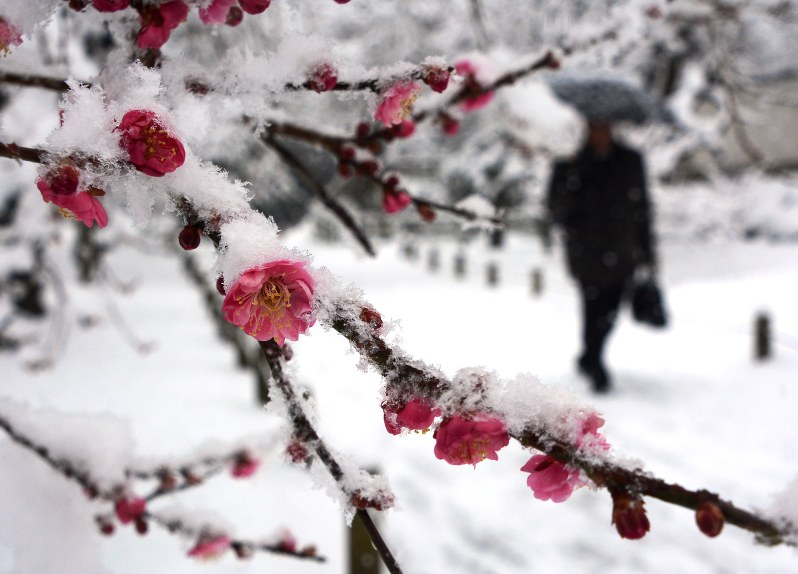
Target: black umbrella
x,y
608,99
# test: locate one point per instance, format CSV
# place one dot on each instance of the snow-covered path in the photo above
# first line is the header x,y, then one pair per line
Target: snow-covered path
x,y
689,403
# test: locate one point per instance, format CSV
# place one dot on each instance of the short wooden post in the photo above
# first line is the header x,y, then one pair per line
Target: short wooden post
x,y
762,337
493,274
460,265
363,556
433,259
536,281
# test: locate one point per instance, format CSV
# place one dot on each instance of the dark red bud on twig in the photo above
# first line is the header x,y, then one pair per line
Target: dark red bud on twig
x,y
141,526
629,516
426,212
189,237
220,285
371,318
709,518
234,16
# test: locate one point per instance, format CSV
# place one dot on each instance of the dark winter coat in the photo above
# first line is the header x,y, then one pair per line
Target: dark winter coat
x,y
602,205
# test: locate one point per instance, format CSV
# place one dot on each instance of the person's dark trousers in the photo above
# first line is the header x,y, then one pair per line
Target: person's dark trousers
x,y
599,309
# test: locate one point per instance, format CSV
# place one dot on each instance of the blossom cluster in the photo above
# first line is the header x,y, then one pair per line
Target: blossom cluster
x,y
151,149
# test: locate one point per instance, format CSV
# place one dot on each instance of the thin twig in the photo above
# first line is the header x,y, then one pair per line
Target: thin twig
x,y
379,543
334,206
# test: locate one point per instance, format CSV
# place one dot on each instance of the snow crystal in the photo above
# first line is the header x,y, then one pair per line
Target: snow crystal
x,y
27,14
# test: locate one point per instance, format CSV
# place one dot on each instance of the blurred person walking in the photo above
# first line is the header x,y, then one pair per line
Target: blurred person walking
x,y
599,198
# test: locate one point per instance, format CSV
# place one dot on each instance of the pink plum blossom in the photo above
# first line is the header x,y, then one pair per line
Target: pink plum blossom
x,y
394,201
479,99
468,441
110,5
129,509
588,435
254,6
323,78
272,301
152,150
210,547
396,101
245,465
550,479
216,12
9,36
158,21
417,414
60,187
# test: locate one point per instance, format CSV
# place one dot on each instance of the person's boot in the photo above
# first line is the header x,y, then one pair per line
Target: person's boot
x,y
595,371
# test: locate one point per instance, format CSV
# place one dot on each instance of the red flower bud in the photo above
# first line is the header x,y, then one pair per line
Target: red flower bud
x,y
189,237
551,62
629,516
437,78
371,318
220,286
709,518
234,16
346,153
404,130
297,452
368,167
254,6
450,125
141,526
345,170
426,212
323,78
106,526
362,130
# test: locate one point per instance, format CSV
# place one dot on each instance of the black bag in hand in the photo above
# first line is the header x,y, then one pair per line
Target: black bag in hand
x,y
647,303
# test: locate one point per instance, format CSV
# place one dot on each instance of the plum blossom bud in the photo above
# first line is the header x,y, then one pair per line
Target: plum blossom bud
x,y
216,12
346,153
142,527
220,285
709,518
234,17
404,129
461,440
323,78
129,508
417,414
189,237
158,21
426,212
79,5
254,6
437,78
362,130
629,516
297,452
110,5
371,318
9,36
476,97
287,542
242,551
551,62
272,301
449,125
152,149
368,167
105,525
396,102
379,501
341,1
245,465
394,201
209,547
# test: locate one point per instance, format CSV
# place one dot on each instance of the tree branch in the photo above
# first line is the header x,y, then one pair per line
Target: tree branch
x,y
413,381
334,206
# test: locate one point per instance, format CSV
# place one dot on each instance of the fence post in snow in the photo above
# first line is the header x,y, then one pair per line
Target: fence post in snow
x,y
536,281
434,259
493,273
363,556
460,265
762,345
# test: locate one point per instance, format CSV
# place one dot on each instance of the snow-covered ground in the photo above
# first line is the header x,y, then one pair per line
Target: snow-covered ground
x,y
689,402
